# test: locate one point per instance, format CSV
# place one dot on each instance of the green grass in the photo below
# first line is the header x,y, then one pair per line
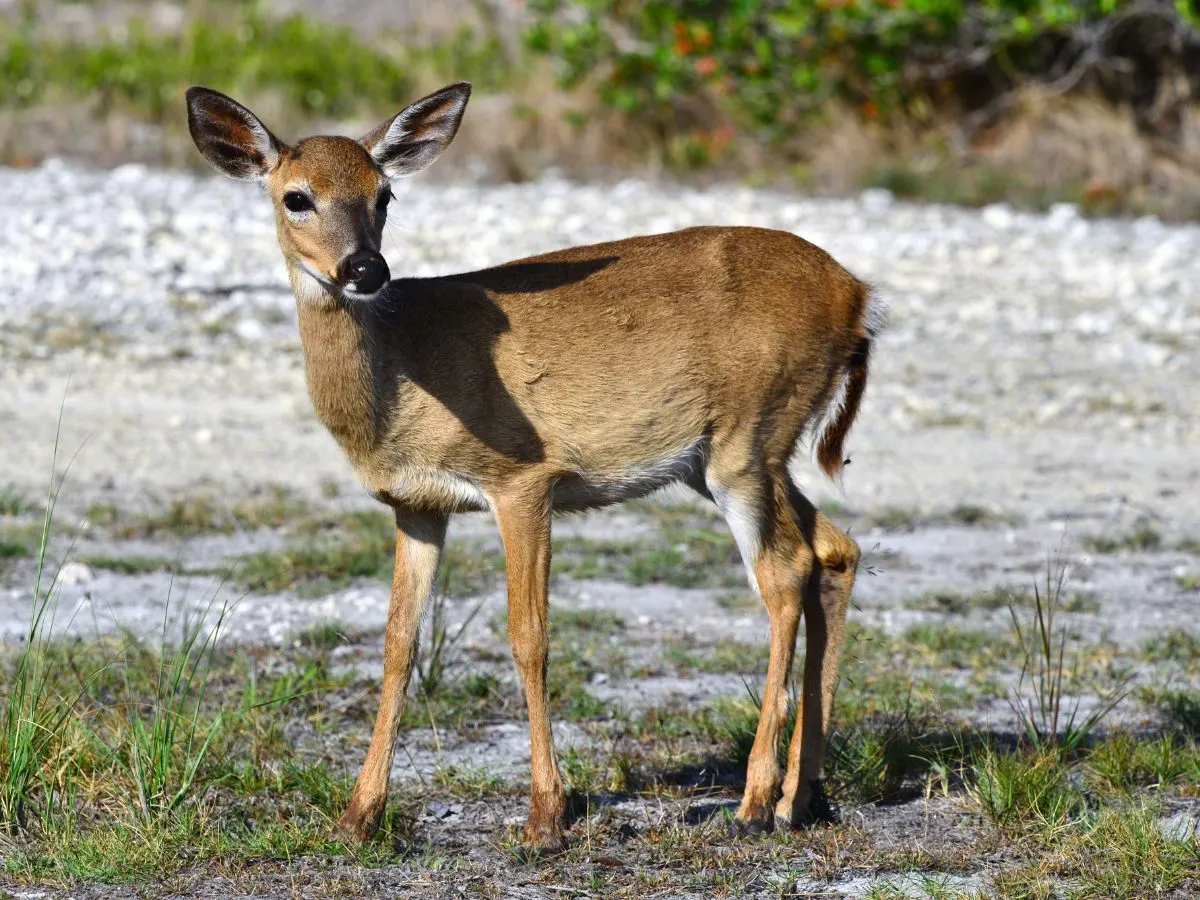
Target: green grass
x,y
201,514
1180,707
1050,666
1026,792
1125,763
690,559
739,601
947,646
953,602
326,636
13,502
595,621
894,518
980,516
35,715
360,545
364,549
723,657
1143,539
128,565
1118,852
313,68
12,549
1176,645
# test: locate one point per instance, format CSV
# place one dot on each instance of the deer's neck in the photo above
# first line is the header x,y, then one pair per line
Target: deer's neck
x,y
340,367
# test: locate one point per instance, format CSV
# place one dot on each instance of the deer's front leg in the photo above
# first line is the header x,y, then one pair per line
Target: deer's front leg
x,y
524,520
419,539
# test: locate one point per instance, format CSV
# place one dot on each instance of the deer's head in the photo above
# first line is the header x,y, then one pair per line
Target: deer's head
x,y
331,194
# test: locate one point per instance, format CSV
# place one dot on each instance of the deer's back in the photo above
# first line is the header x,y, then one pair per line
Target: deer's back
x,y
602,354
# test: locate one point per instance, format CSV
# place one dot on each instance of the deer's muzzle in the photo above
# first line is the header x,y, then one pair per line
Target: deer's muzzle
x,y
363,272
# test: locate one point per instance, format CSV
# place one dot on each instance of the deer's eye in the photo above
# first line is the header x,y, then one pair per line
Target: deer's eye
x,y
385,197
297,202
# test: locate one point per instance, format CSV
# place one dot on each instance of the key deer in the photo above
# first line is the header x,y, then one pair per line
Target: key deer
x,y
569,381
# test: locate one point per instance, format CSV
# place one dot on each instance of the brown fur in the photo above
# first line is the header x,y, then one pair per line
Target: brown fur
x,y
575,379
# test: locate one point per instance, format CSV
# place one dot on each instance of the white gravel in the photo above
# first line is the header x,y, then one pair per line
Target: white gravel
x,y
1006,322
1042,366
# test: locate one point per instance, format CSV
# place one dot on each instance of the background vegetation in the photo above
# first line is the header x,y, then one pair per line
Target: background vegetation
x,y
962,100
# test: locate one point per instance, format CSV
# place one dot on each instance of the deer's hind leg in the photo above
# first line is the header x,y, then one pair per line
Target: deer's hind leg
x,y
826,603
778,560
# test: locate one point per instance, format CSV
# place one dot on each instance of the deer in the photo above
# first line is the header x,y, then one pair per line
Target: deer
x,y
563,382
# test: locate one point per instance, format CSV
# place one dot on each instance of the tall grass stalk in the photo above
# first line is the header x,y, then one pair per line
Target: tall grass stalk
x,y
34,716
167,741
1038,700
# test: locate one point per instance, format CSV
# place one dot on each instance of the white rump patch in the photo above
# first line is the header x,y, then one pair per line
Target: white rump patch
x,y
876,316
874,321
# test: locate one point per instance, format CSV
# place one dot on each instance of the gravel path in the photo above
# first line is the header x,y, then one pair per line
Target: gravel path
x,y
1042,364
1043,367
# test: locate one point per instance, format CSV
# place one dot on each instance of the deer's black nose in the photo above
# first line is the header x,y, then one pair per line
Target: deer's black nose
x,y
364,272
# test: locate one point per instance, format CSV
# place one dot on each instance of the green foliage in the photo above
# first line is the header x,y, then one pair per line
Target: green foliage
x,y
1026,791
13,502
312,67
167,739
1123,762
1049,721
1176,645
768,66
34,715
726,656
317,67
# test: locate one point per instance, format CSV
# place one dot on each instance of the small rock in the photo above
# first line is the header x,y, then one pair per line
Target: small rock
x,y
1183,826
250,330
998,216
76,573
876,199
439,810
1061,215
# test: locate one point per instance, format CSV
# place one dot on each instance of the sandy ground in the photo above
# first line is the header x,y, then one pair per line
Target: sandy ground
x,y
1043,369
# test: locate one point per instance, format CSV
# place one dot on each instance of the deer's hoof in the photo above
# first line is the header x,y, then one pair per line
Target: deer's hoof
x,y
812,808
544,838
756,824
360,821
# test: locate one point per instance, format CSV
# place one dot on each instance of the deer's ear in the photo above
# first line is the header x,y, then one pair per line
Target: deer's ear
x,y
413,138
229,136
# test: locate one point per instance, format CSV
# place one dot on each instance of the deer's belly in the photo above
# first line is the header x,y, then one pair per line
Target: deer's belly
x,y
589,489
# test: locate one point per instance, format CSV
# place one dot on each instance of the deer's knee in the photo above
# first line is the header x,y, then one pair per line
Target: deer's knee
x,y
529,644
836,550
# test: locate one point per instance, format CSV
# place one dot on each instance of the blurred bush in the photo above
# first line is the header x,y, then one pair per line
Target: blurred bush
x,y
969,101
315,69
703,69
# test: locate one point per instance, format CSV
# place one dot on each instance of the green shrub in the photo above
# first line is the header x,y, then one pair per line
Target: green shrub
x,y
314,68
768,66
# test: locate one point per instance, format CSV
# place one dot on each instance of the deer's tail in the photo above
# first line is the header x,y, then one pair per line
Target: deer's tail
x,y
852,382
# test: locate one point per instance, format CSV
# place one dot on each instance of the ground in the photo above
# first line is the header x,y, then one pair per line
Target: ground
x,y
1031,415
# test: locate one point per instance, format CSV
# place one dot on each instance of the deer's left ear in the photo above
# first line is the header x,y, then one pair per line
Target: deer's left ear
x,y
415,137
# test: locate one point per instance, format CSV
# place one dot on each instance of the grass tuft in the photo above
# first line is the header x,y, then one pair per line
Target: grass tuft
x,y
1045,722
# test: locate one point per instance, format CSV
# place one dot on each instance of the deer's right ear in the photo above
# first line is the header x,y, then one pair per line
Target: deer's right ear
x,y
229,136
